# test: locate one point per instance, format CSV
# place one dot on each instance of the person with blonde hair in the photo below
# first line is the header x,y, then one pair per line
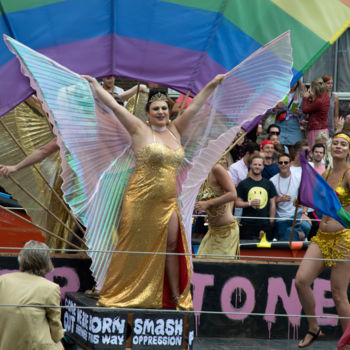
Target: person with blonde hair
x,y
215,198
31,328
316,104
330,247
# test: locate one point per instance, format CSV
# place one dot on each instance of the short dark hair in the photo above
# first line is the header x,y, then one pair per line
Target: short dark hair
x,y
279,148
299,146
273,126
252,147
319,145
284,155
35,258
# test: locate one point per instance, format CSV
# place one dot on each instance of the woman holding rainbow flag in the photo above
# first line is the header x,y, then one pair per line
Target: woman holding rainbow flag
x,y
331,242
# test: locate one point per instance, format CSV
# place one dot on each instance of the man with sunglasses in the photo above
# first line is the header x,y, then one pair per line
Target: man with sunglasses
x,y
273,129
287,184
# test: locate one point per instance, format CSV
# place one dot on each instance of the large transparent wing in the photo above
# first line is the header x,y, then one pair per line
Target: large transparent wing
x,y
95,148
255,85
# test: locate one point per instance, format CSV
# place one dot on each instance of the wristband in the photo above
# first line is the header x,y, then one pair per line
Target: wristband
x,y
249,204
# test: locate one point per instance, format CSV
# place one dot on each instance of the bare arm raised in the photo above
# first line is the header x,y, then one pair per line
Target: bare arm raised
x,y
37,156
132,91
184,119
132,124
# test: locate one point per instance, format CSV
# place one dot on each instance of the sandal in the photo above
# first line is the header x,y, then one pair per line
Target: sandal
x,y
314,336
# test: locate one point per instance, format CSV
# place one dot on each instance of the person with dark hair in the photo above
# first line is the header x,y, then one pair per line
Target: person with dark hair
x,y
279,149
270,167
299,147
239,170
151,218
287,185
256,195
316,104
30,328
273,129
317,154
331,242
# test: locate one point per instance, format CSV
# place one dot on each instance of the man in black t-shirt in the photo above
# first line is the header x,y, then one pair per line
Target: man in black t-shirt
x,y
256,195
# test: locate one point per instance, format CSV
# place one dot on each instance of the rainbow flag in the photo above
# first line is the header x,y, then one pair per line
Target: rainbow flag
x,y
178,43
314,192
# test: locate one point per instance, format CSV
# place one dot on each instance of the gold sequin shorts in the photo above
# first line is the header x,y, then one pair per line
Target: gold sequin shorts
x,y
333,245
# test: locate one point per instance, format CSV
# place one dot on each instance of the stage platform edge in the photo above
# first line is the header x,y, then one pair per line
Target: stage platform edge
x,y
96,328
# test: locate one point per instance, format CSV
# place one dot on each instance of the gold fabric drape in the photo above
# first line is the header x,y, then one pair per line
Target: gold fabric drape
x,y
32,130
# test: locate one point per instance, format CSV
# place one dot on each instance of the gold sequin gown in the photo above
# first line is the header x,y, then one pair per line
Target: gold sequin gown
x,y
139,280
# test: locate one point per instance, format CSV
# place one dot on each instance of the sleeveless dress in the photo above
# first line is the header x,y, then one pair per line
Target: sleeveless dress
x,y
335,245
139,280
223,239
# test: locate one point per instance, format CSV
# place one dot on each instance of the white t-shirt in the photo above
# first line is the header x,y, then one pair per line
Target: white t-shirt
x,y
289,185
238,171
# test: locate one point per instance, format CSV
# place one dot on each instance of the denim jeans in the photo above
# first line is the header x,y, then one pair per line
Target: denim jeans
x,y
284,228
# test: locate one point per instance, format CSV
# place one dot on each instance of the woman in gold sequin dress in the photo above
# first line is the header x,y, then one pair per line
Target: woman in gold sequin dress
x,y
150,216
332,241
215,198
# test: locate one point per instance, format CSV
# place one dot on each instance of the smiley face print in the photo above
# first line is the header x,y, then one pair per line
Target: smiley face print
x,y
258,193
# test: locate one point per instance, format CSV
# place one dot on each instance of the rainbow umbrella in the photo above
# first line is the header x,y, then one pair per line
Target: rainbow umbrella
x,y
178,43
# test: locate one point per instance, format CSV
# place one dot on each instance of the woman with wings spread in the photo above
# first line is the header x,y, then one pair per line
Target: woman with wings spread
x,y
131,184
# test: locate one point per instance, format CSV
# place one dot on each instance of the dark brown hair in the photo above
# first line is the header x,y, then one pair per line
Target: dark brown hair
x,y
154,92
284,155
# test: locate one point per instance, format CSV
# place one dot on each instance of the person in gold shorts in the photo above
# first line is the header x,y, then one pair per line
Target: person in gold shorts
x,y
331,242
215,198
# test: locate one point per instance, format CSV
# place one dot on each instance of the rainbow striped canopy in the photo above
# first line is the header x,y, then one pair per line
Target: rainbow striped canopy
x,y
178,43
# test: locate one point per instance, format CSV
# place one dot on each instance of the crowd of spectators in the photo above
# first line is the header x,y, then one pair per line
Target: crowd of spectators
x,y
268,181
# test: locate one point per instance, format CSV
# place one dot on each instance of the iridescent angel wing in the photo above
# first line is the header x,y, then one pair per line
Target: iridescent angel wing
x,y
254,86
95,148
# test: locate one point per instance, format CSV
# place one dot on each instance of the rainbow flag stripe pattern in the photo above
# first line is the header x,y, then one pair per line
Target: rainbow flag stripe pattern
x,y
178,43
314,192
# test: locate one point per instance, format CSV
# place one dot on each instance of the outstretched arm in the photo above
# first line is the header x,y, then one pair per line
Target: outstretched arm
x,y
129,121
132,91
184,119
36,157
